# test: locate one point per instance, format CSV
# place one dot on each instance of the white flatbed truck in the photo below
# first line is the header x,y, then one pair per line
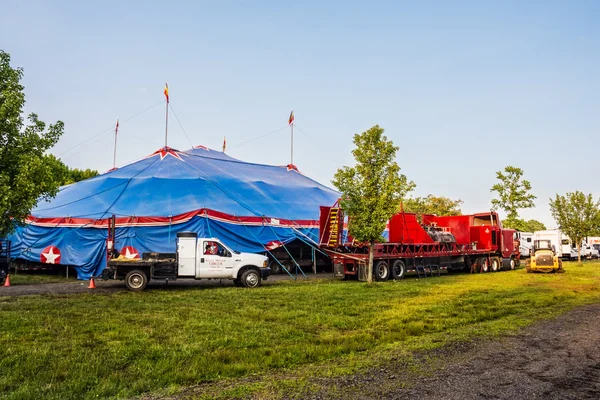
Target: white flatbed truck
x,y
195,258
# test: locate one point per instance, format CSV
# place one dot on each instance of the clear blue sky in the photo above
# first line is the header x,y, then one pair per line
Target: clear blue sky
x,y
463,87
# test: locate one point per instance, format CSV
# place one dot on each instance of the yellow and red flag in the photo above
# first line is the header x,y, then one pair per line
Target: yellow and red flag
x,y
291,119
117,127
224,144
166,92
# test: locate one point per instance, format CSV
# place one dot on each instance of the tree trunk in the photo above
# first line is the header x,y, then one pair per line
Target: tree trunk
x,y
579,253
370,266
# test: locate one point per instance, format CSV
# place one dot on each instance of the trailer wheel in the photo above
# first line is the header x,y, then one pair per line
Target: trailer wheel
x,y
382,271
495,264
136,280
289,266
275,267
398,270
251,278
513,263
485,265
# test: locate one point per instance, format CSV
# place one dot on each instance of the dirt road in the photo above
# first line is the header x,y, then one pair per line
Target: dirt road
x,y
556,359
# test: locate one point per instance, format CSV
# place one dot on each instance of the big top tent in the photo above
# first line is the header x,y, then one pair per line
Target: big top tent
x,y
251,207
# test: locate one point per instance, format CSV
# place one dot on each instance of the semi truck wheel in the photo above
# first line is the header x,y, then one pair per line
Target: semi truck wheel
x,y
275,267
398,270
513,263
250,278
289,266
485,264
495,264
382,271
136,280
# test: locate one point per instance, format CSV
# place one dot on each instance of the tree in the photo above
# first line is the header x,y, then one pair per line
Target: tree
x,y
513,193
524,226
76,175
577,215
372,189
26,172
433,205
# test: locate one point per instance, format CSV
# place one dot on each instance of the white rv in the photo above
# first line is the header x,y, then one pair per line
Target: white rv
x,y
525,243
562,244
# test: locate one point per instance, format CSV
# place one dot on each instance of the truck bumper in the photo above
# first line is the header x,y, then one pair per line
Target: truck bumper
x,y
265,272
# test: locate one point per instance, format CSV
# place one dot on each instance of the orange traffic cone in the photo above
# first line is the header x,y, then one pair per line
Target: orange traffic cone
x,y
92,284
7,281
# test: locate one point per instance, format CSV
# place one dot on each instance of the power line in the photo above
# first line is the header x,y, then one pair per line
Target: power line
x,y
181,126
111,129
259,137
316,145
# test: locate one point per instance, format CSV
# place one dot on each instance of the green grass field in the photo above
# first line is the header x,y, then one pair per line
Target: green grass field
x,y
28,277
126,344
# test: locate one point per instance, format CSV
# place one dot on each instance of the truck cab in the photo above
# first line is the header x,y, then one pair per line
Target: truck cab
x,y
210,258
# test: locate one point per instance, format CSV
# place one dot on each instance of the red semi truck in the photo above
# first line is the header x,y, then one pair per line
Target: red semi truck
x,y
426,244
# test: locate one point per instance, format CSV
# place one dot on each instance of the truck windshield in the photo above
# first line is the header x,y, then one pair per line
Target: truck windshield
x,y
542,244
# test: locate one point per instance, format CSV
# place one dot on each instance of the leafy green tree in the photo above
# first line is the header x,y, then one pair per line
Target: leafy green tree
x,y
533,225
513,193
432,205
27,173
76,175
577,215
524,226
372,189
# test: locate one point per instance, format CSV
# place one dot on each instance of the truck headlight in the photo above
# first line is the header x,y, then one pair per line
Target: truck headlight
x,y
265,264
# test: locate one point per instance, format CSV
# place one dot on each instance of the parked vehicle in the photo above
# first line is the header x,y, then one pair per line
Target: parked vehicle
x,y
589,251
474,242
525,243
195,258
544,258
593,240
4,259
560,241
297,253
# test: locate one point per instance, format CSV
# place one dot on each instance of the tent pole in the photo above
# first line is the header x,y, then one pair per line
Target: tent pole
x,y
292,147
115,151
167,122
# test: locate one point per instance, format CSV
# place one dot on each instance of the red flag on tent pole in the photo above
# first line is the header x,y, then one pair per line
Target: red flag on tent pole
x,y
117,127
291,119
224,144
166,92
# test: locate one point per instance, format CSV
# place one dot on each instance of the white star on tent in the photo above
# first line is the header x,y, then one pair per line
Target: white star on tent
x,y
130,255
50,256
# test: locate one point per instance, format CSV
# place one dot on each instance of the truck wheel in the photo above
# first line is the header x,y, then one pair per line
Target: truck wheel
x,y
495,264
560,267
485,264
381,271
398,270
251,278
275,267
136,280
289,266
513,263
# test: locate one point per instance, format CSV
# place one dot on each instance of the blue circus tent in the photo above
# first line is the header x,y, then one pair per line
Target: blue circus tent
x,y
251,207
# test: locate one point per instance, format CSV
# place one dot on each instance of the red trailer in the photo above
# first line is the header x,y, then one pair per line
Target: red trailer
x,y
425,244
